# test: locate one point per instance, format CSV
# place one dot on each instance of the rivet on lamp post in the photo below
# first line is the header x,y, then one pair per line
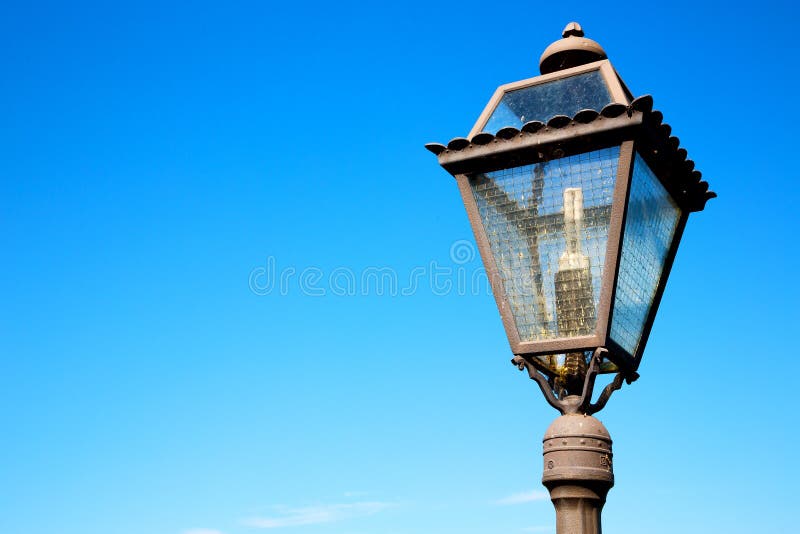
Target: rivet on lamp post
x,y
578,196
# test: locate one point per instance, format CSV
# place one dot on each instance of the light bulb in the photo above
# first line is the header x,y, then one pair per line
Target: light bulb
x,y
575,311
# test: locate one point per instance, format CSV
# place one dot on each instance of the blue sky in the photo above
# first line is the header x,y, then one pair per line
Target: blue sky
x,y
156,160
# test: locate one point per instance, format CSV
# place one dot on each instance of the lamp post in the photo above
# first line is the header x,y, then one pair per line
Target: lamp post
x,y
578,195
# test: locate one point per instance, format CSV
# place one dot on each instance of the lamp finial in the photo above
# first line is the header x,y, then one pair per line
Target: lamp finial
x,y
573,50
572,29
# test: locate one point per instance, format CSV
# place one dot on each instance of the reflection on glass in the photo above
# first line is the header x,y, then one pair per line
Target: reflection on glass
x,y
565,96
649,229
547,226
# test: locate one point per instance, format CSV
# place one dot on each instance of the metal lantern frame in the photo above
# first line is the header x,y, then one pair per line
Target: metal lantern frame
x,y
633,126
616,87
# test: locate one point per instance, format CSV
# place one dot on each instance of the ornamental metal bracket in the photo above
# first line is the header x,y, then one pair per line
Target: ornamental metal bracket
x,y
572,404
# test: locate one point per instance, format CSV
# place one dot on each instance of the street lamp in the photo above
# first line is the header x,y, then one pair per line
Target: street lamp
x,y
577,195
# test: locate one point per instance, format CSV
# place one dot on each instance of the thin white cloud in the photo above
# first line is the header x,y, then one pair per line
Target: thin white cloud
x,y
202,531
316,515
520,498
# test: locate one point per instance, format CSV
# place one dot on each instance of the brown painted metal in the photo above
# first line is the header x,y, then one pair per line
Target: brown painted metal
x,y
572,404
578,472
546,144
571,51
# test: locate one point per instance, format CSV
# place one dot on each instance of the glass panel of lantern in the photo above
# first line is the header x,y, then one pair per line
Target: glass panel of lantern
x,y
650,225
547,225
543,101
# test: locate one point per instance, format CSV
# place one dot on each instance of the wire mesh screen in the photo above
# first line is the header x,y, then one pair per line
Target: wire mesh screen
x,y
547,226
649,229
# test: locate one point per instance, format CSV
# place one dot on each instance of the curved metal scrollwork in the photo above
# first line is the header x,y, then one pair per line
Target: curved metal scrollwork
x,y
576,404
544,384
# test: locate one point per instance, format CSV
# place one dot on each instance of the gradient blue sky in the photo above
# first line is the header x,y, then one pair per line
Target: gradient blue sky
x,y
154,157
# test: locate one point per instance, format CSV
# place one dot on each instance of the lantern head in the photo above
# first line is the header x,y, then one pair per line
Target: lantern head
x,y
577,195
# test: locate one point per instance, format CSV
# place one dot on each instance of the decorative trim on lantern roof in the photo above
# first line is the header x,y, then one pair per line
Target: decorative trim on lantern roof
x,y
588,129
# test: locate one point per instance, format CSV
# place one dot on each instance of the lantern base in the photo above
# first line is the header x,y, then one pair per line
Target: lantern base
x,y
572,404
578,472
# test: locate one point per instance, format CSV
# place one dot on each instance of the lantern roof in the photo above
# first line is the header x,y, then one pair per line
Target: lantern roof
x,y
588,128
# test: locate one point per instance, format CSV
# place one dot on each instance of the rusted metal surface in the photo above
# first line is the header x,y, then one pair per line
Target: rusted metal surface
x,y
578,472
